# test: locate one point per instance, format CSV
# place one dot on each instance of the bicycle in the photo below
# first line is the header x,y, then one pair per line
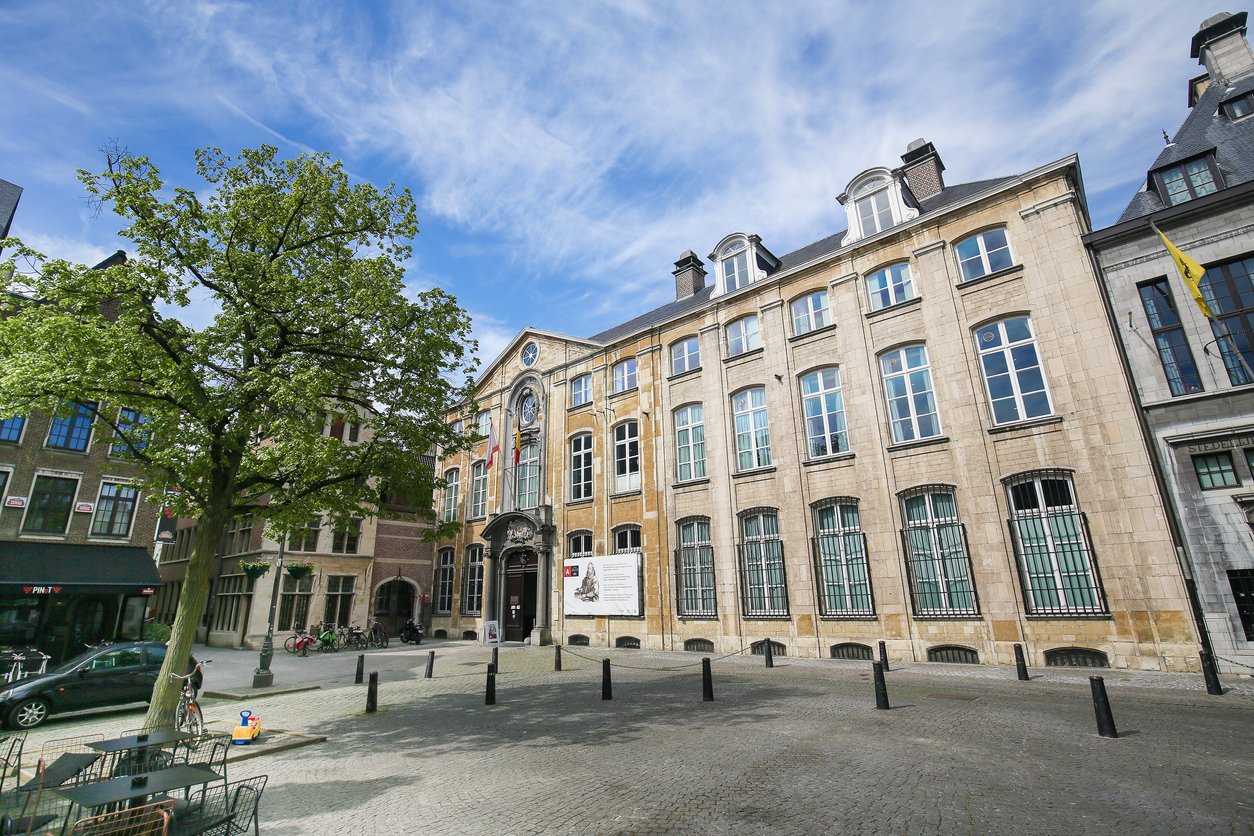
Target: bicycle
x,y
187,714
378,636
299,642
356,639
327,640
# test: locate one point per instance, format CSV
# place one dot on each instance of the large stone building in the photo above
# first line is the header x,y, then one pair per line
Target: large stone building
x,y
1192,375
915,430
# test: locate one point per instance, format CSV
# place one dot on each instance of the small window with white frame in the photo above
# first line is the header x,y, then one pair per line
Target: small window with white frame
x,y
115,510
483,424
743,335
685,355
581,467
132,432
581,390
626,539
752,428
579,544
50,504
73,432
11,429
875,213
810,313
627,457
734,263
984,253
625,375
1013,377
823,404
907,379
689,443
890,286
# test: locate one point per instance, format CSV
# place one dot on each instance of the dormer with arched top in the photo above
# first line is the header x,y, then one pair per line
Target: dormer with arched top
x,y
874,202
739,261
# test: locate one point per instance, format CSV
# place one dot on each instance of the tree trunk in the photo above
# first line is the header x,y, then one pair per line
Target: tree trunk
x,y
165,694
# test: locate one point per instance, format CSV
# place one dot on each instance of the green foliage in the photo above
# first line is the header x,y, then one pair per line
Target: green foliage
x,y
155,631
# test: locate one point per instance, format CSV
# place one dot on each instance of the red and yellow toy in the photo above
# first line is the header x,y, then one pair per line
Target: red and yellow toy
x,y
248,730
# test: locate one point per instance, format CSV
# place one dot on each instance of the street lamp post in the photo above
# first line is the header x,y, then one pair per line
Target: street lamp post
x,y
263,677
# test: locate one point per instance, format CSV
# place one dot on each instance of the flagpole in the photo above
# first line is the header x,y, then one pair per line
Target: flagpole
x,y
1224,334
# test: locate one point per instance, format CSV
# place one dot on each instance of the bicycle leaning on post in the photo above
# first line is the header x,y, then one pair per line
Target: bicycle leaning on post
x,y
187,714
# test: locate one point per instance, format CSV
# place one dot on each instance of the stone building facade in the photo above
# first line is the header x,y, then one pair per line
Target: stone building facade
x,y
915,430
1193,377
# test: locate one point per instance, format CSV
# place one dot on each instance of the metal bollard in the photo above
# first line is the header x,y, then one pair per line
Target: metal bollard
x,y
607,692
361,668
496,664
1211,672
372,693
770,657
881,690
707,681
884,656
1101,707
557,657
489,695
430,664
1021,665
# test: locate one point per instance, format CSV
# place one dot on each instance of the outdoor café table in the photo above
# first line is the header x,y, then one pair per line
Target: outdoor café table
x,y
124,789
132,741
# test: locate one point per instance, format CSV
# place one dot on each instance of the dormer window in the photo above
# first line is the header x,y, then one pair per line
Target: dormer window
x,y
874,213
874,203
735,265
1240,107
1188,180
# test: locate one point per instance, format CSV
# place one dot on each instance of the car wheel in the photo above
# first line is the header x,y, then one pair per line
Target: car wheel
x,y
28,713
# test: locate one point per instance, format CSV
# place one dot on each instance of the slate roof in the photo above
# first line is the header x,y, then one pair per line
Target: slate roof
x,y
1206,128
10,194
946,197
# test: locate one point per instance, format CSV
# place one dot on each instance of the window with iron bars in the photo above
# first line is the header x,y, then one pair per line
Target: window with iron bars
x,y
840,559
937,561
694,569
763,581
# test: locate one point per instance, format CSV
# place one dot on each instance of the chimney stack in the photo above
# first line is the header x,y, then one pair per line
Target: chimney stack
x,y
1221,47
923,169
689,275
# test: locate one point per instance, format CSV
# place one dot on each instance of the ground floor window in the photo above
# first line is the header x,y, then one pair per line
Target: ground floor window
x,y
234,596
444,582
339,604
294,602
762,579
472,577
694,568
1056,560
840,554
1242,583
936,555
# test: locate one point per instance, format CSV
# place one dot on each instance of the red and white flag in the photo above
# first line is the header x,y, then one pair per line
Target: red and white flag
x,y
494,446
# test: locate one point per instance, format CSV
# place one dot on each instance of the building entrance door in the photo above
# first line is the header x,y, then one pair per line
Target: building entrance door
x,y
518,610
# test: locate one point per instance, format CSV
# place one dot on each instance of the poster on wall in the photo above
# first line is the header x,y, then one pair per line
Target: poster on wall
x,y
492,632
602,585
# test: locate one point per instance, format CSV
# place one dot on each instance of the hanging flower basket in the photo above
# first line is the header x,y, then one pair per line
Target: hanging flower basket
x,y
299,570
254,568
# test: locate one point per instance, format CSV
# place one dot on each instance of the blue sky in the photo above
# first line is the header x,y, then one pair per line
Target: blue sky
x,y
563,154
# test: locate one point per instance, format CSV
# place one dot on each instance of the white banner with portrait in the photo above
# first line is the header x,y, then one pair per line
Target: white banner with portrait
x,y
602,585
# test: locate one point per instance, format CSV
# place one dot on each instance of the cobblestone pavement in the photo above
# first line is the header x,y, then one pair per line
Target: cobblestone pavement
x,y
799,748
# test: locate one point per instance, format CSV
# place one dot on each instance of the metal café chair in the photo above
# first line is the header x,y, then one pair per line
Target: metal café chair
x,y
68,760
11,745
225,809
148,820
33,812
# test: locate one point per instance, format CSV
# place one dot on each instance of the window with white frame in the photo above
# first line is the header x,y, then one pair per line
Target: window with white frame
x,y
1055,557
527,478
694,569
132,432
581,390
74,431
685,355
50,505
483,424
908,391
890,286
1186,181
115,510
452,484
626,539
581,467
478,490
305,538
762,580
824,407
444,582
579,544
627,457
810,313
937,561
689,443
625,375
734,262
5,476
11,429
840,555
743,335
875,214
1013,377
753,432
984,253
472,581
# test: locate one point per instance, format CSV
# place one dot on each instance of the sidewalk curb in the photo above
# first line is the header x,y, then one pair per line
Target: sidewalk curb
x,y
258,694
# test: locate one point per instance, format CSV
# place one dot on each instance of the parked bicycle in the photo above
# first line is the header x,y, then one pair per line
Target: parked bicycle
x,y
356,639
299,642
378,637
328,639
187,714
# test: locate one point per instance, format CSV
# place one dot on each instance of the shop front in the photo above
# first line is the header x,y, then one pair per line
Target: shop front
x,y
62,597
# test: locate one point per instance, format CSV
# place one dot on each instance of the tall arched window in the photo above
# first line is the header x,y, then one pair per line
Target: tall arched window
x,y
527,477
763,586
824,408
452,483
472,581
478,490
694,568
581,467
939,565
444,582
840,552
1012,370
627,457
734,261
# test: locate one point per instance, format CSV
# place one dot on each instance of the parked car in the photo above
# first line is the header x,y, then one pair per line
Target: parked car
x,y
114,674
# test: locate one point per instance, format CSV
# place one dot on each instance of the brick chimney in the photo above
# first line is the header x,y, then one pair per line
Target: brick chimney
x,y
923,167
1221,47
689,275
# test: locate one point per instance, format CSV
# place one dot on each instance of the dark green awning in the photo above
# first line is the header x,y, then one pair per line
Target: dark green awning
x,y
76,567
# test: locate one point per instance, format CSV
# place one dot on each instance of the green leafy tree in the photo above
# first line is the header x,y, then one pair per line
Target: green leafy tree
x,y
299,276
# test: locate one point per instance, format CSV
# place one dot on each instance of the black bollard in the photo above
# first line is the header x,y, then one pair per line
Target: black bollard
x,y
770,657
430,664
884,656
361,668
1211,672
372,693
489,695
881,690
1021,665
557,657
707,681
1101,706
496,664
607,692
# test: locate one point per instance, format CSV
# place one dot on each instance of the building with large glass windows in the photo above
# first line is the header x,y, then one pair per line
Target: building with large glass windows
x,y
914,430
1193,372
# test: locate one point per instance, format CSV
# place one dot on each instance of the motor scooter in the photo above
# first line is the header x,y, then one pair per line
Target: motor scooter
x,y
411,632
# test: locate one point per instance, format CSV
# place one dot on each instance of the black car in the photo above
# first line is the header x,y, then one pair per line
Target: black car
x,y
111,675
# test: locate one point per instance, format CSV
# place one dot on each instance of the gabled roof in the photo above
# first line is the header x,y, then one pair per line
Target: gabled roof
x,y
518,340
1207,128
10,194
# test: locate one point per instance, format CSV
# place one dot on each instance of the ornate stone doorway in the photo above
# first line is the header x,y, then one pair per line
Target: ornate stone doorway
x,y
518,609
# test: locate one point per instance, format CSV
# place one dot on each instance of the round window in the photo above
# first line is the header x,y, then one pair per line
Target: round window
x,y
530,352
